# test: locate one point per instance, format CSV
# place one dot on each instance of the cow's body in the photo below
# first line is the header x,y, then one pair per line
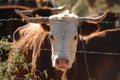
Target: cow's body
x,y
102,53
48,51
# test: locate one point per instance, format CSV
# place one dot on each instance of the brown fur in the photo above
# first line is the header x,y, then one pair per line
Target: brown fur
x,y
102,64
28,40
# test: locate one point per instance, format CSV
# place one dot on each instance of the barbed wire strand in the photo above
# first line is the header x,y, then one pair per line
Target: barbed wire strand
x,y
81,52
11,19
18,19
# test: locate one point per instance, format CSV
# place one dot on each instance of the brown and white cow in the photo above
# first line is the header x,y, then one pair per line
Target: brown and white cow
x,y
63,34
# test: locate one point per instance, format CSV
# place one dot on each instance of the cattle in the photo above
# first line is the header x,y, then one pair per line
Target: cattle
x,y
109,22
56,48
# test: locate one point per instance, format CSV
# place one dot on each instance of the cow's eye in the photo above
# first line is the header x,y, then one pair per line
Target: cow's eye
x,y
51,37
75,37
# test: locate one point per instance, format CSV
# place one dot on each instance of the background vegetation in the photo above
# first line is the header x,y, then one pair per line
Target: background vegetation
x,y
82,7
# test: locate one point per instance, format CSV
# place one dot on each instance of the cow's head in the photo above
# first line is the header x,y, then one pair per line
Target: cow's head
x,y
63,34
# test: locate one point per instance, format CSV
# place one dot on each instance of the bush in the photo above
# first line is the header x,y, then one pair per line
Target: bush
x,y
6,70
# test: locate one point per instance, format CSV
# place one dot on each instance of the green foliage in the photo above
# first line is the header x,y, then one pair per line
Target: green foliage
x,y
5,44
83,7
8,68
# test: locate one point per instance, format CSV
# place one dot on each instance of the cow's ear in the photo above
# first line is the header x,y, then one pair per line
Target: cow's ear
x,y
46,27
87,27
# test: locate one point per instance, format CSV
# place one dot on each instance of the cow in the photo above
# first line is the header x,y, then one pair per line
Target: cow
x,y
54,48
109,22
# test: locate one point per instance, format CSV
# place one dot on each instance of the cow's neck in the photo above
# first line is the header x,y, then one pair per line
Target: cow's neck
x,y
64,77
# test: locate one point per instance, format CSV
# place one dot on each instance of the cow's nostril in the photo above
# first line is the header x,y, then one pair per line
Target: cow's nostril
x,y
66,61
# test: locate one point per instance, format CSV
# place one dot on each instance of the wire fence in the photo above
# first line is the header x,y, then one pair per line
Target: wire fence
x,y
11,19
18,19
81,51
88,52
84,51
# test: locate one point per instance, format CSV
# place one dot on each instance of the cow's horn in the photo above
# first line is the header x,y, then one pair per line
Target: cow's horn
x,y
96,19
33,19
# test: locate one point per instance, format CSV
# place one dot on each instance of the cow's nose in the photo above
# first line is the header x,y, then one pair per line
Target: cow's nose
x,y
62,63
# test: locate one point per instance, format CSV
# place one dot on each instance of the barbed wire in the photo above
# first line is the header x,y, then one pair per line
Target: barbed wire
x,y
84,51
81,51
11,19
90,52
18,19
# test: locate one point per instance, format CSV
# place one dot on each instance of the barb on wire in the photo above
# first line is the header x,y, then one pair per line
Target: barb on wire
x,y
11,19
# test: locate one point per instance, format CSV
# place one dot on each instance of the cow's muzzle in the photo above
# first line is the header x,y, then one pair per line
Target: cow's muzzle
x,y
61,63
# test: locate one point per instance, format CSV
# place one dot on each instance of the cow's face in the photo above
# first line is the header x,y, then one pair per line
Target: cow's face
x,y
63,37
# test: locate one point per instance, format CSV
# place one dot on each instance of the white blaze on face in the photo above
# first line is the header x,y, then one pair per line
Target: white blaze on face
x,y
63,37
